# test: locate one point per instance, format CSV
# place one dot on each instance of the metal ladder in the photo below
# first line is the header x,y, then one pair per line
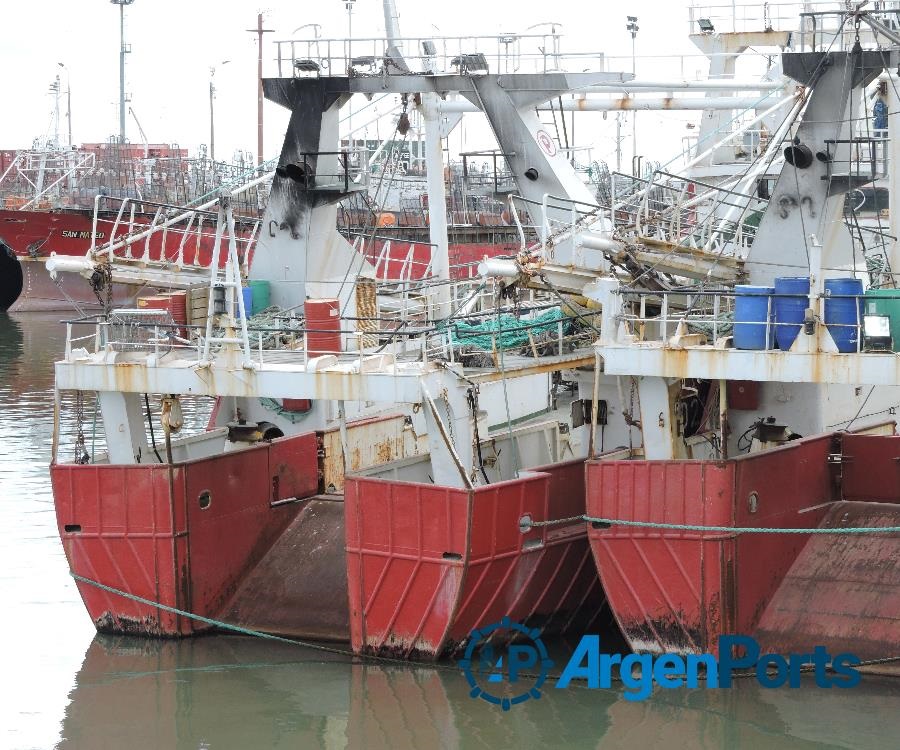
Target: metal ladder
x,y
230,278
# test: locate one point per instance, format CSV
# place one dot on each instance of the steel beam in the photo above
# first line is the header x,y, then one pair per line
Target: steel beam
x,y
396,383
764,366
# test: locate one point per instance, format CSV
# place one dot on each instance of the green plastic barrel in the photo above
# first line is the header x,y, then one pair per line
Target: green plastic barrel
x,y
886,302
260,295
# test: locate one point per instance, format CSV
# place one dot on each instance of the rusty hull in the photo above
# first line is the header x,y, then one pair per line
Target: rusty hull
x,y
299,588
678,591
707,362
370,442
428,564
184,535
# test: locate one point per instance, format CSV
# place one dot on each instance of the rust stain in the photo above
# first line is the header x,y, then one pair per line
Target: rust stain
x,y
385,451
122,625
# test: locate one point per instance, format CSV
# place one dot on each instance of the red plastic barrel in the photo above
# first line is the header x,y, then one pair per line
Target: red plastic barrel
x,y
167,303
154,302
299,405
323,321
178,308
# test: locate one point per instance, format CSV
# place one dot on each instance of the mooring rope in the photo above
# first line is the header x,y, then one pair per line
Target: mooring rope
x,y
454,668
807,668
527,523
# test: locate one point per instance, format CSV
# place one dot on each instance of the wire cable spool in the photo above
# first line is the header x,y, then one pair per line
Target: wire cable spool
x,y
367,312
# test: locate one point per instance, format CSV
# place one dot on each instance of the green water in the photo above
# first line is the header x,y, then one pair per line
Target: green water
x,y
64,686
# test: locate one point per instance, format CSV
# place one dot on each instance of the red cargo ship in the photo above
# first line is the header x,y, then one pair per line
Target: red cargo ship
x,y
65,201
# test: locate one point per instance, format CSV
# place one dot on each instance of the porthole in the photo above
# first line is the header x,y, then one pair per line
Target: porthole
x,y
753,502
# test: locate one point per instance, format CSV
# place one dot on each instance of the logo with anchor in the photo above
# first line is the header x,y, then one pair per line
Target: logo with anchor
x,y
507,676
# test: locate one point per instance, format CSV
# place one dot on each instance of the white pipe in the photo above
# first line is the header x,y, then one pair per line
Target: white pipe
x,y
391,22
584,104
661,103
437,202
684,85
499,267
594,242
377,152
57,264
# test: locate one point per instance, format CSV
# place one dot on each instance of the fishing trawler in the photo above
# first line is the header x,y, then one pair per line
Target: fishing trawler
x,y
774,510
397,461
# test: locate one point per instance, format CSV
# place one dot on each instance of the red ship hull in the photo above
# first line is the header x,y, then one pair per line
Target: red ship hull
x,y
33,235
143,529
243,538
678,591
427,565
69,233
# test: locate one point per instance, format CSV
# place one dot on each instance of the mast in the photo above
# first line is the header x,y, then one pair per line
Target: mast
x,y
259,31
391,22
434,170
55,89
123,50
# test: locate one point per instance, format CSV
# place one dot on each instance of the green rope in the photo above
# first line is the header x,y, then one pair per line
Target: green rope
x,y
199,618
527,523
364,657
454,668
508,331
292,416
724,326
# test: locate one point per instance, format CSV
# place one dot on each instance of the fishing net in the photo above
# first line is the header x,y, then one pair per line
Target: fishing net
x,y
506,331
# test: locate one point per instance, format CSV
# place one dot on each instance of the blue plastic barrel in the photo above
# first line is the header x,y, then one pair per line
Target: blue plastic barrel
x,y
751,313
844,311
247,293
791,301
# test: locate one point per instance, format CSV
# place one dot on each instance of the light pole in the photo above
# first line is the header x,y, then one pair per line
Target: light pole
x,y
259,31
632,28
123,50
55,89
68,100
348,4
212,115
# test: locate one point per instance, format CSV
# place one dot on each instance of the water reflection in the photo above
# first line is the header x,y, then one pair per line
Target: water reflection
x,y
224,691
10,343
229,692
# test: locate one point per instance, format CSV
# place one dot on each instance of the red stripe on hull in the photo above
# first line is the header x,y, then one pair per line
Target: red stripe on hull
x,y
69,233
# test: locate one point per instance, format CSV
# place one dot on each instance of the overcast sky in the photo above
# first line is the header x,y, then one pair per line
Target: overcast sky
x,y
174,43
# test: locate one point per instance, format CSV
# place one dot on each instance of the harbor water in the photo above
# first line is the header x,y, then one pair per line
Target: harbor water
x,y
67,687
